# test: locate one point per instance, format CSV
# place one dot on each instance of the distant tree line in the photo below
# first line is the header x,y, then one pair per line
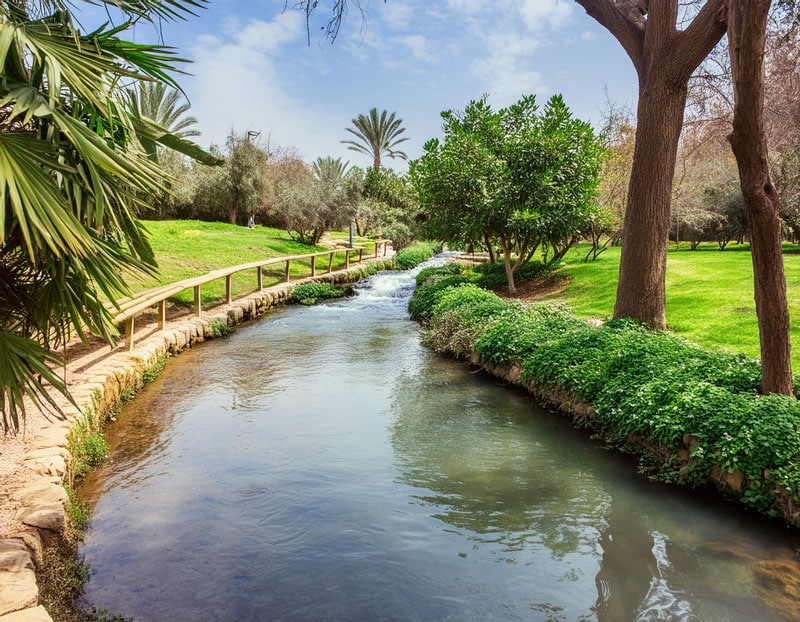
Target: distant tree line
x,y
275,187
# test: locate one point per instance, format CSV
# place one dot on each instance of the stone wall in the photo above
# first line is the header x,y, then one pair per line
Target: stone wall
x,y
40,505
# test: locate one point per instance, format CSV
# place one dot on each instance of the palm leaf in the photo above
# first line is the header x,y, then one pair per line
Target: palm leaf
x,y
33,197
25,367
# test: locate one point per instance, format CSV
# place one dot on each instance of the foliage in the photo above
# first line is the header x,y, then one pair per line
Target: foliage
x,y
160,105
87,445
646,385
492,275
232,192
75,173
389,207
377,135
326,200
427,295
415,254
524,177
459,317
219,329
312,293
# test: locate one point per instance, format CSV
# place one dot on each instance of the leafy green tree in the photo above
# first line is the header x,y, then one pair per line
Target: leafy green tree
x,y
325,200
377,135
390,207
73,175
524,178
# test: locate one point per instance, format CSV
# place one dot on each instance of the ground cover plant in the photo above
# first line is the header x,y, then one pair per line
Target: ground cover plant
x,y
693,413
311,293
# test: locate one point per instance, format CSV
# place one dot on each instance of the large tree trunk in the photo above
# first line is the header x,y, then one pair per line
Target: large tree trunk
x,y
643,263
747,21
664,57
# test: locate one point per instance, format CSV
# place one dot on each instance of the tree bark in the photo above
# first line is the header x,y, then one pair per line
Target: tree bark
x,y
747,21
664,58
643,262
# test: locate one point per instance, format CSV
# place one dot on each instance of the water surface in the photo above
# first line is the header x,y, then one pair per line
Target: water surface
x,y
322,465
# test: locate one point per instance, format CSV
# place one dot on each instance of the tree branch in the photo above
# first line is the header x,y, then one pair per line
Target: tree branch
x,y
695,43
621,21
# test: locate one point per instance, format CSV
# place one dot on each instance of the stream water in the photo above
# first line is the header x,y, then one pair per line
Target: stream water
x,y
322,465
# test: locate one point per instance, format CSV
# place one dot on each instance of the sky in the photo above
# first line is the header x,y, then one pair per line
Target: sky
x,y
256,67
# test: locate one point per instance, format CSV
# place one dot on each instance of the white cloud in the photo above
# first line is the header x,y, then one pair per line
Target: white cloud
x,y
542,14
397,15
420,48
236,86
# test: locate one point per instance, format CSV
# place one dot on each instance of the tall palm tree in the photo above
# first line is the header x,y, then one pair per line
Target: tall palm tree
x,y
377,135
73,172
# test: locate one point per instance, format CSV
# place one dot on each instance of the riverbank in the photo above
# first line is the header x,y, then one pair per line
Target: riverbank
x,y
36,464
693,417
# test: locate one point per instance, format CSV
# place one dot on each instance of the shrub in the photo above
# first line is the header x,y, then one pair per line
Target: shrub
x,y
311,293
219,329
436,273
425,296
414,254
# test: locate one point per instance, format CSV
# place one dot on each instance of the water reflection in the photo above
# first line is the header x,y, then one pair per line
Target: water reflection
x,y
323,465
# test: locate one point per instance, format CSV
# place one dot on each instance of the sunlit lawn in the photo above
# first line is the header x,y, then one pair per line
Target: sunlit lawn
x,y
709,293
188,248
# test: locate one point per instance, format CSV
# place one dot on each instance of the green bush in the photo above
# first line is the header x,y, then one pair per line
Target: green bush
x,y
650,386
459,317
436,273
311,293
414,254
425,296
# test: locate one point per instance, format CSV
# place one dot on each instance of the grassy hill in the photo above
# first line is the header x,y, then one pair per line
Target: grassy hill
x,y
187,248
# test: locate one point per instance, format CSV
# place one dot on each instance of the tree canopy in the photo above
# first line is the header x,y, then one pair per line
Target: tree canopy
x,y
520,177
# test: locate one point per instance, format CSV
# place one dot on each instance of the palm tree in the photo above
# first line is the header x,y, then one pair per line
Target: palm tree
x,y
73,174
330,170
377,135
162,105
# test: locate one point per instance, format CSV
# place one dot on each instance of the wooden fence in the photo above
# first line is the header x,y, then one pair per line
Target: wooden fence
x,y
126,310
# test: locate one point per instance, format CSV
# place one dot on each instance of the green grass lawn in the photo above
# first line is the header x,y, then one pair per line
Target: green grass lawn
x,y
709,293
187,248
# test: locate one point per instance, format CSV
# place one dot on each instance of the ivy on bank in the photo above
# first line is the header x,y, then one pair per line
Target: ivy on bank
x,y
658,389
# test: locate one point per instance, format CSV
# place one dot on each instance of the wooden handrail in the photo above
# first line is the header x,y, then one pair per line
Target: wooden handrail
x,y
127,309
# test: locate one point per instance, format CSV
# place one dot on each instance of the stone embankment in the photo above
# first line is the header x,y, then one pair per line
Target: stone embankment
x,y
35,464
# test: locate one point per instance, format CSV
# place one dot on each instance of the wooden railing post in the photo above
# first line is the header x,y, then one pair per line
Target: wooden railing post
x,y
228,289
129,327
377,245
347,259
260,277
360,255
198,305
162,314
313,265
286,274
330,261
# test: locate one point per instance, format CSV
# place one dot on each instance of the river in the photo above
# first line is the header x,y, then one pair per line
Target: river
x,y
320,464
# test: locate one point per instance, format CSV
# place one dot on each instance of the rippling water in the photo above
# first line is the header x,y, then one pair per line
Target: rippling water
x,y
322,465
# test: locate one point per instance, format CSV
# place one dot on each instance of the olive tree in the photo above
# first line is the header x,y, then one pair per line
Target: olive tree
x,y
323,200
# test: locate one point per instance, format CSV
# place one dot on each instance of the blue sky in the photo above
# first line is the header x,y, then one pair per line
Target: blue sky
x,y
254,70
